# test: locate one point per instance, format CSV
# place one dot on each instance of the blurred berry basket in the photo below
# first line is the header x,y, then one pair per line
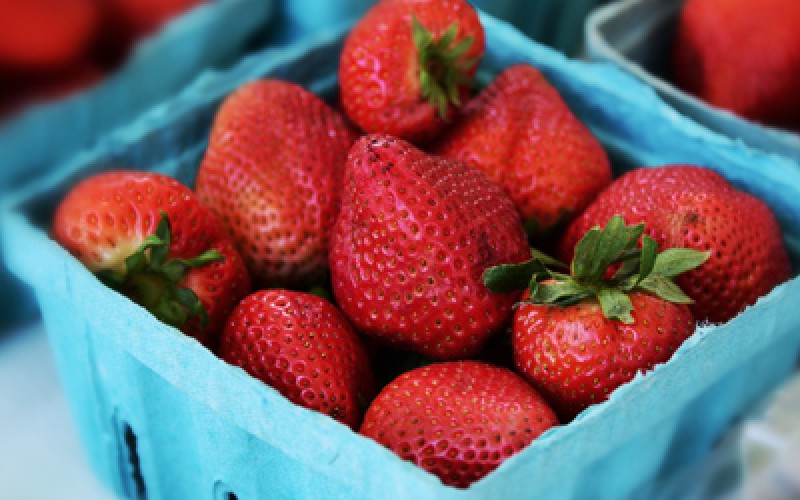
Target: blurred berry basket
x,y
161,416
556,23
161,66
637,36
33,143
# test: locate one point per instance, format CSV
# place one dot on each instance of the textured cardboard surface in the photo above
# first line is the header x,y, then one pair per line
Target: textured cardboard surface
x,y
204,429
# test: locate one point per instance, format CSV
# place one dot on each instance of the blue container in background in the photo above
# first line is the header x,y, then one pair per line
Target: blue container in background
x,y
160,415
637,35
557,23
38,140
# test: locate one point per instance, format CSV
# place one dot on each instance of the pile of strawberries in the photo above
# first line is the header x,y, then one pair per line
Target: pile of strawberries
x,y
433,327
52,48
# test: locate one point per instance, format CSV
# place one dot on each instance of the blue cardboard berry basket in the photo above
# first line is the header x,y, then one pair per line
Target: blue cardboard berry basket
x,y
637,35
33,143
161,416
556,23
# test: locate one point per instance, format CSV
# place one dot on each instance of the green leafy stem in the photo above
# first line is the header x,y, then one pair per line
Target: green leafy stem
x,y
152,281
443,67
636,268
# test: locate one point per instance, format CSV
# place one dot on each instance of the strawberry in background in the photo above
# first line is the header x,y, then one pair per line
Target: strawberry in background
x,y
43,50
42,36
742,56
50,49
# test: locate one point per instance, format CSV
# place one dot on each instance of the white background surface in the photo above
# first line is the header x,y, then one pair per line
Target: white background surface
x,y
40,455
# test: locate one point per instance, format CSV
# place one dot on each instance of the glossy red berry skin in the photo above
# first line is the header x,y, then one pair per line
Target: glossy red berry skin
x,y
694,207
576,357
414,236
458,420
521,133
302,346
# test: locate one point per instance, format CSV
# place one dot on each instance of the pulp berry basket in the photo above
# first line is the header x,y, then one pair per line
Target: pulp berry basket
x,y
161,416
557,23
637,36
38,140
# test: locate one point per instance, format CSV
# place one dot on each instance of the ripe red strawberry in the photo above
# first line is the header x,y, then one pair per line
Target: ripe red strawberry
x,y
523,136
694,207
272,172
147,236
578,337
407,64
410,245
576,356
45,35
301,345
457,420
742,57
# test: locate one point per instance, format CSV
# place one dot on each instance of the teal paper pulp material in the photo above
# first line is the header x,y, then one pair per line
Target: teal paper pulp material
x,y
557,23
160,414
298,19
636,35
34,143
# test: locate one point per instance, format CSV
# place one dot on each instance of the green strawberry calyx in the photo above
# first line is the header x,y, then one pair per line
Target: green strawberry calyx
x,y
443,67
152,281
637,268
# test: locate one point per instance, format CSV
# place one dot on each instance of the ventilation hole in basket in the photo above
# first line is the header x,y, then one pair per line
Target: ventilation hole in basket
x,y
139,492
222,491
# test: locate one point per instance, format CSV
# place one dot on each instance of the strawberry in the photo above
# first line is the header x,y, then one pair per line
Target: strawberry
x,y
272,172
741,57
523,136
407,64
301,345
147,236
694,207
412,240
578,337
45,35
458,420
